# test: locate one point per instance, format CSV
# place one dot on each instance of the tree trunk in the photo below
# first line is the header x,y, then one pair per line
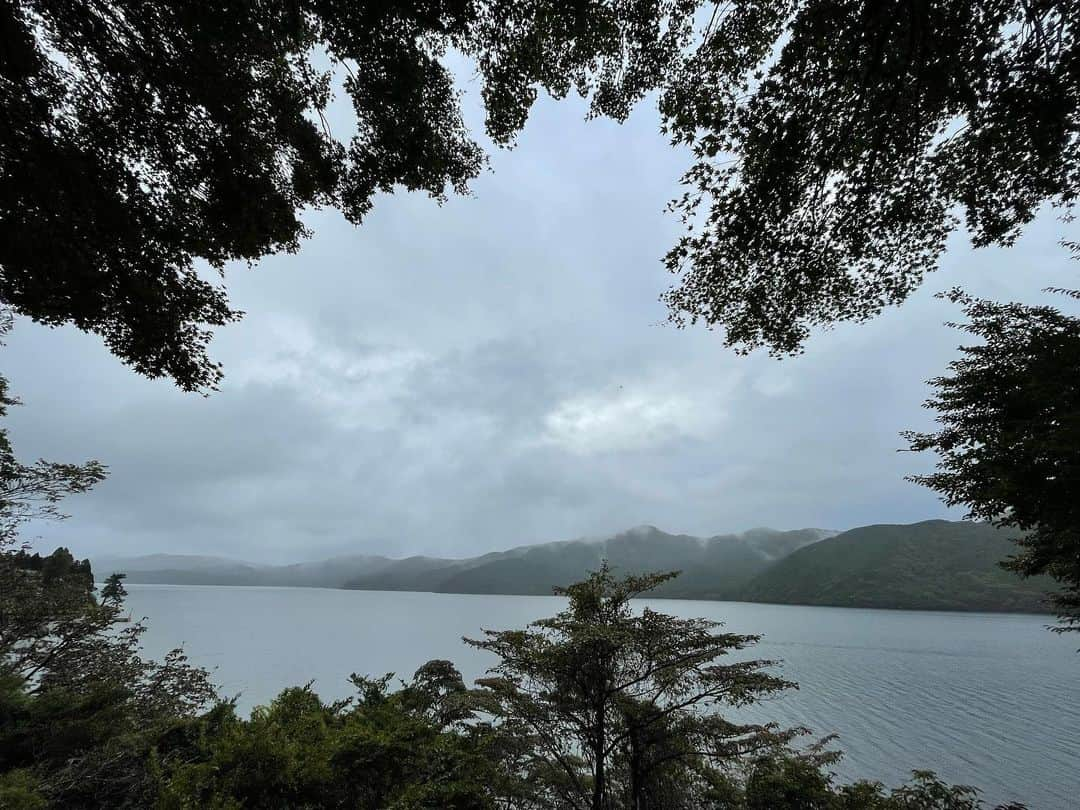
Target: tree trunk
x,y
637,800
599,799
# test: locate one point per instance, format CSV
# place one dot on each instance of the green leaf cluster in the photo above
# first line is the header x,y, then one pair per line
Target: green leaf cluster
x,y
1008,437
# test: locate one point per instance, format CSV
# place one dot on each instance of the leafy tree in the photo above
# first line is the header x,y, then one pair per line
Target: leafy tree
x,y
927,792
795,784
1009,436
18,791
833,141
142,138
789,782
79,708
837,143
619,707
405,750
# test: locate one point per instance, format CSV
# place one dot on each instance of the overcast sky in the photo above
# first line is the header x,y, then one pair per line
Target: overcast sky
x,y
498,371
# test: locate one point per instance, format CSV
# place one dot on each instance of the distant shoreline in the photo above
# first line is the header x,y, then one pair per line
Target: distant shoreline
x,y
987,611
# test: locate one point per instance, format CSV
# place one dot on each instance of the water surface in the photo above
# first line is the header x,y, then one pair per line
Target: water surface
x,y
991,700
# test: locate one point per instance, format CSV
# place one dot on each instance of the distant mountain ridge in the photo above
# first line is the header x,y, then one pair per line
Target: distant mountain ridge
x,y
934,565
183,569
713,567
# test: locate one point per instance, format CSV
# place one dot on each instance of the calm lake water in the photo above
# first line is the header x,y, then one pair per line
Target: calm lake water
x,y
991,700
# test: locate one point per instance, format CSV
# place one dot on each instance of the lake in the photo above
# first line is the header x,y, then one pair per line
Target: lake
x,y
991,700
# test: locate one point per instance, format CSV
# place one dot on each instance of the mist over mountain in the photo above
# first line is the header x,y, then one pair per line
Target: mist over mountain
x,y
182,569
713,567
932,565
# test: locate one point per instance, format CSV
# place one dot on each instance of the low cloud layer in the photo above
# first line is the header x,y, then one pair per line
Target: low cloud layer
x,y
496,371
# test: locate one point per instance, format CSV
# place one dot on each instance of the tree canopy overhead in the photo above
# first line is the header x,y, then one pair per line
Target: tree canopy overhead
x,y
835,143
138,139
839,142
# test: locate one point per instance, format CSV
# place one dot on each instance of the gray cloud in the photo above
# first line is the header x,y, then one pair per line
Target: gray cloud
x,y
454,379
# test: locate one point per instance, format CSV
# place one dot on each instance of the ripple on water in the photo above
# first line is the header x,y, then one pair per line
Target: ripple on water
x,y
983,699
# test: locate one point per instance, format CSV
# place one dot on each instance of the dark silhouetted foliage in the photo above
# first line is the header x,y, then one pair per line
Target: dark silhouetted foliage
x,y
141,139
833,142
1009,436
837,143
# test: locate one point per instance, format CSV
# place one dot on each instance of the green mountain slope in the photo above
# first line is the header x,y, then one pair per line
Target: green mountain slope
x,y
934,565
713,567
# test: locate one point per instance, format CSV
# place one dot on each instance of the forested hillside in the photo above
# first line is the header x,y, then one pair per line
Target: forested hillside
x,y
933,565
